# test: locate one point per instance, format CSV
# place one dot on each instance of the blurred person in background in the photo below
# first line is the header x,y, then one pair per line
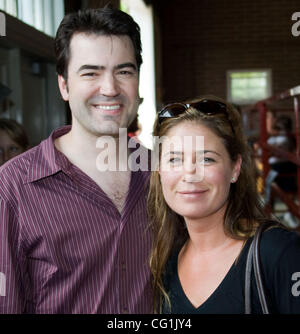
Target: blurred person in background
x,y
13,140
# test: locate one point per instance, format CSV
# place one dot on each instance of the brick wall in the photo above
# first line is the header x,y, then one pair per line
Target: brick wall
x,y
201,39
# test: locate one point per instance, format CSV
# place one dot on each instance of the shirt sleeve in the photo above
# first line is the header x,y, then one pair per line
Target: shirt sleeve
x,y
286,281
12,299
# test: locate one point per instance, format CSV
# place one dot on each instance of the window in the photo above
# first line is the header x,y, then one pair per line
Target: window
x,y
44,15
9,6
143,16
247,87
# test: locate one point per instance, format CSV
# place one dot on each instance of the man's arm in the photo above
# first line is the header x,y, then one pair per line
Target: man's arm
x,y
12,298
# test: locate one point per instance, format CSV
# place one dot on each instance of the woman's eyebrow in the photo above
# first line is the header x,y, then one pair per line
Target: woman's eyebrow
x,y
173,153
198,152
210,151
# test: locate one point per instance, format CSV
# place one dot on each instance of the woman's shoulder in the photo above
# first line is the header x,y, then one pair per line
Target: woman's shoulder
x,y
279,232
280,252
278,241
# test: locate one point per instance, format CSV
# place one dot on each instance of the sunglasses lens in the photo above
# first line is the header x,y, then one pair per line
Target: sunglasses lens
x,y
172,110
210,107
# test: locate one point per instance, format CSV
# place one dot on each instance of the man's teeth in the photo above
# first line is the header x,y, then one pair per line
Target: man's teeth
x,y
115,107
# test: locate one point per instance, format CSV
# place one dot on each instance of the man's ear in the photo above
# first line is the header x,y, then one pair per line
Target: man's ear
x,y
63,87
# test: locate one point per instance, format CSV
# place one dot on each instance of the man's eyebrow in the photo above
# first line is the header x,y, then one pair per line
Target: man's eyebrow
x,y
120,66
97,67
90,67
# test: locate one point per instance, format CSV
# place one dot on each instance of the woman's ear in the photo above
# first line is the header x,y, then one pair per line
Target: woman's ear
x,y
237,169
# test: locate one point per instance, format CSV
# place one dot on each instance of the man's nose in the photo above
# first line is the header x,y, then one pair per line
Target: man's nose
x,y
109,85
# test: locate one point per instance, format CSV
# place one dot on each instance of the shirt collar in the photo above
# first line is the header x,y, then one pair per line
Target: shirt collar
x,y
47,160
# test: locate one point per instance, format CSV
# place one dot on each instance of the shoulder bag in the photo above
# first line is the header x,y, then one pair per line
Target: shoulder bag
x,y
253,260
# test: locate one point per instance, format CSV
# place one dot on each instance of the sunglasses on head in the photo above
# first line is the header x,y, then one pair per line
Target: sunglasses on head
x,y
207,107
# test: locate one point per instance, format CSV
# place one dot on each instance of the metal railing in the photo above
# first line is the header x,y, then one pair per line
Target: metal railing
x,y
261,107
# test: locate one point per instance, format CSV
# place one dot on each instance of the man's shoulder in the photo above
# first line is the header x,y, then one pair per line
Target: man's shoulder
x,y
16,170
36,163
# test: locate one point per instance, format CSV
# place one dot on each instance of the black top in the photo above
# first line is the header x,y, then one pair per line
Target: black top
x,y
280,260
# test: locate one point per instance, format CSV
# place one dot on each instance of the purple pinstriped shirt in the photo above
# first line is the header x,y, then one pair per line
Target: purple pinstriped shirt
x,y
64,246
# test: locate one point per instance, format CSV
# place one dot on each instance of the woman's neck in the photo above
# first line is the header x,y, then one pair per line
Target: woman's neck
x,y
207,233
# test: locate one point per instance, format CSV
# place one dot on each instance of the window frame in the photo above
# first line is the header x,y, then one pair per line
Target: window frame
x,y
23,36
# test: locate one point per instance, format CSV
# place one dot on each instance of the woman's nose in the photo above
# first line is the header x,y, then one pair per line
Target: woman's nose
x,y
193,172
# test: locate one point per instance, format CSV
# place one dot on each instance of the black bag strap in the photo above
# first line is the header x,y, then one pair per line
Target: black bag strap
x,y
248,280
253,258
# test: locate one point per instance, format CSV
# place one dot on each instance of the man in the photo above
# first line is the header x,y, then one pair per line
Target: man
x,y
74,238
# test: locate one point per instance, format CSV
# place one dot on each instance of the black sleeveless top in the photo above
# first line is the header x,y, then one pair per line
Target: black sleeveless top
x,y
280,257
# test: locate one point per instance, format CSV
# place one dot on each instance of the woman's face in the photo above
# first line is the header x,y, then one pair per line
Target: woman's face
x,y
8,148
196,177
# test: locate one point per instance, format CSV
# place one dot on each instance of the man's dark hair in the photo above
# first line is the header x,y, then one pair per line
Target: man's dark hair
x,y
102,21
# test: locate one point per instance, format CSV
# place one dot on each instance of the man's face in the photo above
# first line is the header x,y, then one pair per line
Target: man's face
x,y
102,84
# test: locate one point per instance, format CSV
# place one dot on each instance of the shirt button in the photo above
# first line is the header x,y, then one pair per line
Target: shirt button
x,y
125,311
123,266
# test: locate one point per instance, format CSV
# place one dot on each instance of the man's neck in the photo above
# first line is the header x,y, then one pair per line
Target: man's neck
x,y
85,153
88,150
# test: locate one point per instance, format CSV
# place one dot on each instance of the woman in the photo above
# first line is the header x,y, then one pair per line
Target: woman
x,y
204,209
13,140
